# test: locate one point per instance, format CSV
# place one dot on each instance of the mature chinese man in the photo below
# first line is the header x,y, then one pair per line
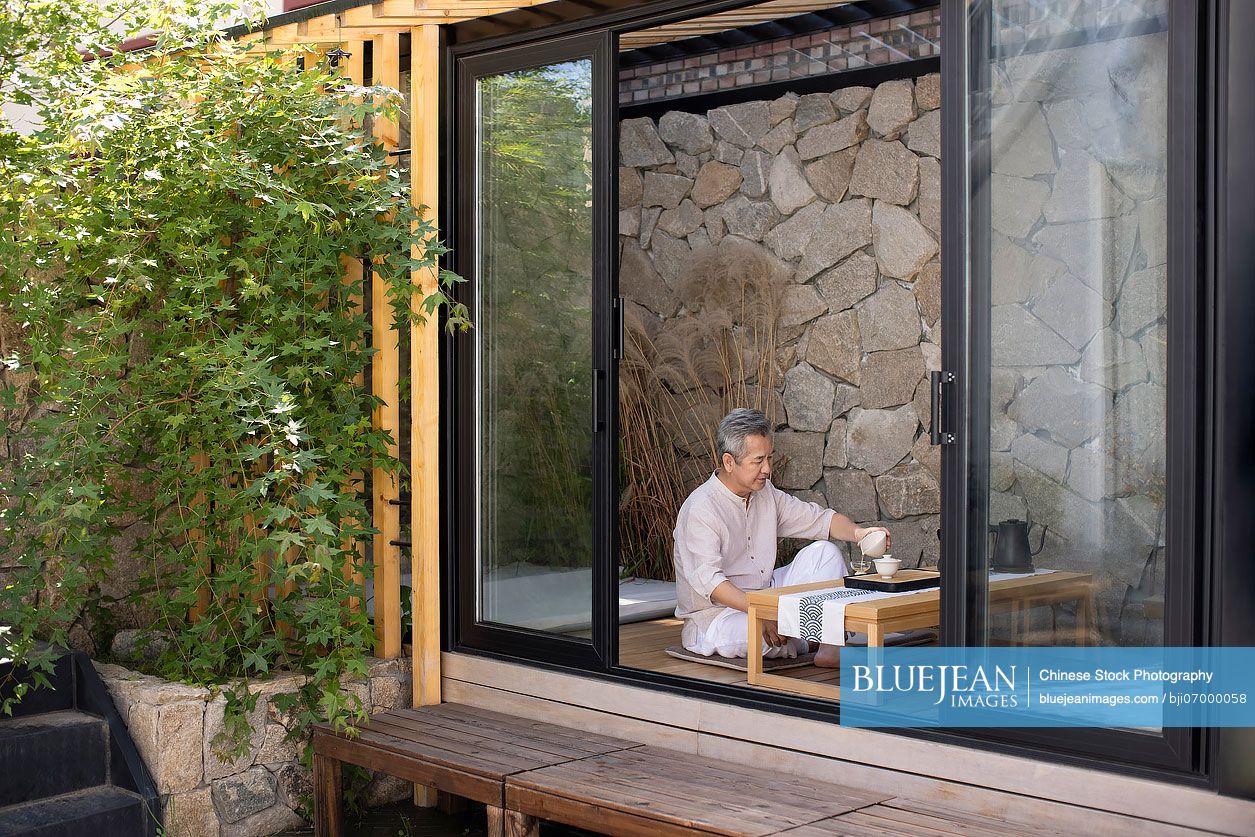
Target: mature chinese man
x,y
725,544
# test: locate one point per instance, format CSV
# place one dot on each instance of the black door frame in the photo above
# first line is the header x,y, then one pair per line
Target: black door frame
x,y
1228,387
466,69
966,304
1209,213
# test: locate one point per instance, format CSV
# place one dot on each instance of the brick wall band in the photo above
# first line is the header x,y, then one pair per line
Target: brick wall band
x,y
888,40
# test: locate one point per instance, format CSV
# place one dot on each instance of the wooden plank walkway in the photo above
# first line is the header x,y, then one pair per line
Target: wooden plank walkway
x,y
525,771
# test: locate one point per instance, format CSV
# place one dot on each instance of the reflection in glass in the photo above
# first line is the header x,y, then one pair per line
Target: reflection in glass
x,y
534,338
1078,267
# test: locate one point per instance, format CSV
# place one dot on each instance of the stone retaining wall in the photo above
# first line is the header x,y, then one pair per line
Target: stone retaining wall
x,y
174,726
840,191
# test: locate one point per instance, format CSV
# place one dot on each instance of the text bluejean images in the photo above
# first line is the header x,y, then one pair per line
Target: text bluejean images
x,y
1048,687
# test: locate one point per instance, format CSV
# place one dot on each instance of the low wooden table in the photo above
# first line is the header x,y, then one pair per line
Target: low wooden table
x,y
879,617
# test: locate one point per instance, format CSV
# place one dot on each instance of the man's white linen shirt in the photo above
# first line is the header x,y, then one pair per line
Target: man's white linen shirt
x,y
718,538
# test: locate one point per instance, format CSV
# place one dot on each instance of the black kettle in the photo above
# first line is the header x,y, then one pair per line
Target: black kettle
x,y
1011,550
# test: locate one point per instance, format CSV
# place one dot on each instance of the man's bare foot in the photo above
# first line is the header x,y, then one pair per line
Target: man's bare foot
x,y
828,656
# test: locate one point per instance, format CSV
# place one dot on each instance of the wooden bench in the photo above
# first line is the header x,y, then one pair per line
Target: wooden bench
x,y
526,771
911,818
459,750
648,791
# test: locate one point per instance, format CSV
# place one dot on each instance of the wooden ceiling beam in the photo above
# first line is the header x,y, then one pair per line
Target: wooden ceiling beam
x,y
389,16
319,33
384,18
408,8
764,13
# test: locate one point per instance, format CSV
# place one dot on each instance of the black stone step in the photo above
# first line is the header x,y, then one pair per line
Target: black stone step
x,y
52,754
95,812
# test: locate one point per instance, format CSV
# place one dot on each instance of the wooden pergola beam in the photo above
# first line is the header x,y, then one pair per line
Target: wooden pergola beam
x,y
443,10
384,18
325,30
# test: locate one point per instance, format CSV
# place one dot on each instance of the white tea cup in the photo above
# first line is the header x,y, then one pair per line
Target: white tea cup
x,y
887,566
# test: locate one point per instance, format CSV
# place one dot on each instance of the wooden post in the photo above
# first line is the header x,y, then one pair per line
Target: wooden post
x,y
495,821
425,383
290,556
1085,617
352,69
521,825
353,279
200,462
385,376
328,797
425,373
262,564
754,644
284,629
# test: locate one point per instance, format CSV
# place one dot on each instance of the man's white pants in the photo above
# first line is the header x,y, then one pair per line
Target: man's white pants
x,y
727,635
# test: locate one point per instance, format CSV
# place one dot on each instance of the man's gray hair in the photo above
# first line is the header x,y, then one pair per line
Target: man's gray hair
x,y
738,425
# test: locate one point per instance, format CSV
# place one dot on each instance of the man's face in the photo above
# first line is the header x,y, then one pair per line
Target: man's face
x,y
751,473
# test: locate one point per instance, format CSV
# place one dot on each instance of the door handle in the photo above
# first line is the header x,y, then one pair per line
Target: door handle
x,y
935,433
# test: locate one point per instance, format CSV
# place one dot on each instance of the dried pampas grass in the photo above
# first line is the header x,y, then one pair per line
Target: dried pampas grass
x,y
676,381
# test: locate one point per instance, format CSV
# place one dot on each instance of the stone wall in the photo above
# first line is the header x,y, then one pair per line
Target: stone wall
x,y
1079,327
840,191
174,726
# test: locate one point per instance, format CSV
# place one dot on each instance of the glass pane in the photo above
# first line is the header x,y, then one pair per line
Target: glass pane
x,y
534,335
1078,268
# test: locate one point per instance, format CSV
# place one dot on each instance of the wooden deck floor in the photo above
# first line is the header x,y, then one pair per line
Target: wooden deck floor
x,y
642,645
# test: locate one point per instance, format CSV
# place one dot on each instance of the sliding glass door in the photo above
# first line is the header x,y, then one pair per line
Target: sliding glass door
x,y
532,423
1073,468
1078,270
